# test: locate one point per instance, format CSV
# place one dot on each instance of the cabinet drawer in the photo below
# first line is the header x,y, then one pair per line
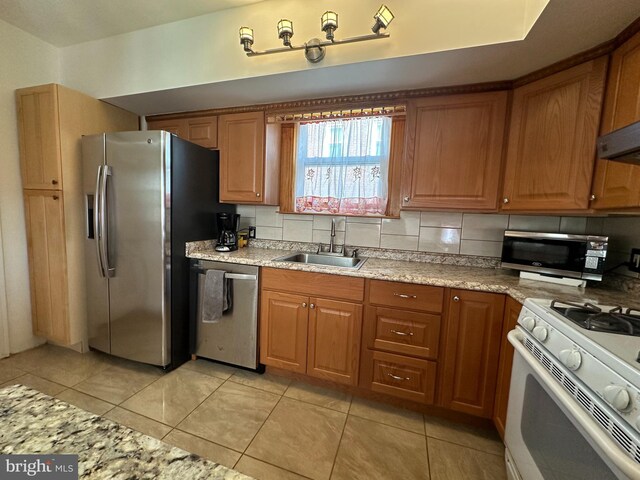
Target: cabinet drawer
x,y
399,331
406,295
400,376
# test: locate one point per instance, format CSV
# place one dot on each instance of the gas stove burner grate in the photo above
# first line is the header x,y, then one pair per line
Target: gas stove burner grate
x,y
591,317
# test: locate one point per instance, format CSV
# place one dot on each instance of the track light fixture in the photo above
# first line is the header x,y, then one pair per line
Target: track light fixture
x,y
314,49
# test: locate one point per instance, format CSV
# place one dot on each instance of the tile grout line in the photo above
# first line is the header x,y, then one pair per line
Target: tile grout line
x,y
335,457
261,426
466,446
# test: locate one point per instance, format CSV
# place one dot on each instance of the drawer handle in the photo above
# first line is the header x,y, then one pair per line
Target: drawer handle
x,y
402,334
404,295
396,377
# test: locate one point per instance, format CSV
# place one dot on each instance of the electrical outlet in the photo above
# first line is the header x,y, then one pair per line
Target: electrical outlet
x,y
634,262
252,232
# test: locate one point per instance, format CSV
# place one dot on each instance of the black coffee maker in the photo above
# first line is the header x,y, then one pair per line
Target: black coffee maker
x,y
228,225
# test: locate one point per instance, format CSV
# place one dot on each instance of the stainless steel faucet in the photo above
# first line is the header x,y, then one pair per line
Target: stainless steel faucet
x,y
333,236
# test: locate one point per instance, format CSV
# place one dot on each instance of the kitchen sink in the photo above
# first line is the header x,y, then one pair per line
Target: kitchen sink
x,y
324,260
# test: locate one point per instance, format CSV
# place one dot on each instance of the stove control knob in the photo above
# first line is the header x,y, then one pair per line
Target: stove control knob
x,y
617,396
570,359
528,323
541,333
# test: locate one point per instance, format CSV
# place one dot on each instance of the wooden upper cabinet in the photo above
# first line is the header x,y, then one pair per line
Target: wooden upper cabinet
x,y
511,313
334,340
472,348
454,151
46,245
39,133
201,130
249,162
283,330
552,140
617,185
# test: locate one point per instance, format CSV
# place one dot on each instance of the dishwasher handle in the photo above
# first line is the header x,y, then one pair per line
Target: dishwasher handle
x,y
240,276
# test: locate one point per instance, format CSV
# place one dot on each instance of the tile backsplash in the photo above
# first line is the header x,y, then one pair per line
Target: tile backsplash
x,y
437,232
624,234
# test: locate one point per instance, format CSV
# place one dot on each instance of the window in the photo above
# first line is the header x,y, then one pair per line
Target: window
x,y
342,166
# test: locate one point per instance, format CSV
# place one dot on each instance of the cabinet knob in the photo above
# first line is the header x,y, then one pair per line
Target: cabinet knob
x,y
55,197
592,197
304,304
456,298
257,194
313,305
406,199
54,182
505,200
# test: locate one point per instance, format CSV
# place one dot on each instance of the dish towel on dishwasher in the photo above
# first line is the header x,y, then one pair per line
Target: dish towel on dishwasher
x,y
216,296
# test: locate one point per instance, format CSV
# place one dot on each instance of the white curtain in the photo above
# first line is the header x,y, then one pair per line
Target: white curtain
x,y
342,166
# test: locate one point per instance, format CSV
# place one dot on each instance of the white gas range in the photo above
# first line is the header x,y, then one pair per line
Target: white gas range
x,y
574,403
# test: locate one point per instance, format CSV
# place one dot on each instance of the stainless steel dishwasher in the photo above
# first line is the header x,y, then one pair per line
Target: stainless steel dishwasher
x,y
234,339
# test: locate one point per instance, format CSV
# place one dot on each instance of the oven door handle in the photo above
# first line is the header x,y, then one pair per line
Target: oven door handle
x,y
606,444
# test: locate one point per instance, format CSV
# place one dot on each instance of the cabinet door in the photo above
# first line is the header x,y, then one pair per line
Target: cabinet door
x,y
241,139
283,330
617,185
472,349
203,131
47,263
176,126
39,133
334,340
511,312
552,140
454,151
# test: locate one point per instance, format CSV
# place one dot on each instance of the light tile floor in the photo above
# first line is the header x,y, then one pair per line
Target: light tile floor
x,y
262,425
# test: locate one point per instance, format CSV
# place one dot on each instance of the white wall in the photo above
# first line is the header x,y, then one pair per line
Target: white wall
x,y
206,49
24,61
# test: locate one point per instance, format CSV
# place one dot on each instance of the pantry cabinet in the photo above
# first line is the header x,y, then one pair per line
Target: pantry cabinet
x,y
617,185
511,312
201,130
51,122
468,372
311,323
454,151
249,159
552,137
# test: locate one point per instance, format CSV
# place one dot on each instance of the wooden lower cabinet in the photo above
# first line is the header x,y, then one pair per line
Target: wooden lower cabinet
x,y
472,350
399,376
334,340
44,211
306,333
283,330
511,313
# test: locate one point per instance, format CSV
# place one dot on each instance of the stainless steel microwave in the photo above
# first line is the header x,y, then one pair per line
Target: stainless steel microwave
x,y
559,254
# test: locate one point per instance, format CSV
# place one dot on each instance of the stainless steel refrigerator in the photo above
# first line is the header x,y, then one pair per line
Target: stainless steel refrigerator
x,y
146,194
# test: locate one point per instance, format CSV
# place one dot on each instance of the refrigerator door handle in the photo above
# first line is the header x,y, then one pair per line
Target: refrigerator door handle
x,y
104,223
97,224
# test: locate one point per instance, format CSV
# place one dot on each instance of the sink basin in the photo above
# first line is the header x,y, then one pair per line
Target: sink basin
x,y
324,260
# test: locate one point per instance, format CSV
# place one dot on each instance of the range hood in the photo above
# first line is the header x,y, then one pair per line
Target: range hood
x,y
622,145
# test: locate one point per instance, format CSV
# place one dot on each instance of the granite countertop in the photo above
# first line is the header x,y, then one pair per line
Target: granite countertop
x,y
34,423
494,280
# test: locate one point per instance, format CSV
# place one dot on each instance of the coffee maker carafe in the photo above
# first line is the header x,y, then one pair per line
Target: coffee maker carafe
x,y
228,225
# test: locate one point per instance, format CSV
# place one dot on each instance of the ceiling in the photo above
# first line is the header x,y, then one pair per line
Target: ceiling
x,y
68,22
564,28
